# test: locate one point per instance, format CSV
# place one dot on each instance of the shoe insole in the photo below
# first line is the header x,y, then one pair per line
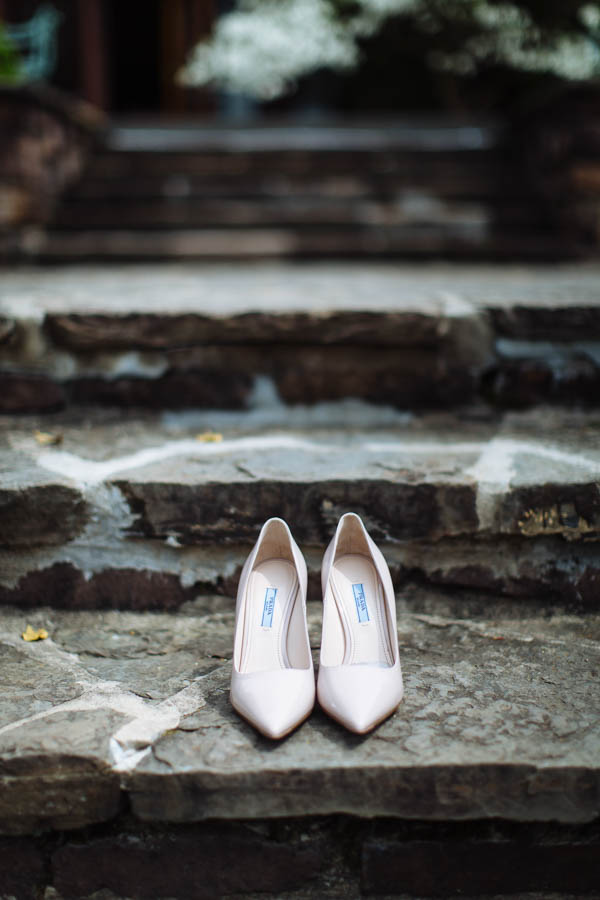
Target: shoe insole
x,y
270,596
360,602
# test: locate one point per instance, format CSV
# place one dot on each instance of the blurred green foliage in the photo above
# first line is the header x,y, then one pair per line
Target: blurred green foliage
x,y
10,63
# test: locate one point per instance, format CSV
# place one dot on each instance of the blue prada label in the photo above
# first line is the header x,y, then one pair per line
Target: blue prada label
x,y
268,607
362,610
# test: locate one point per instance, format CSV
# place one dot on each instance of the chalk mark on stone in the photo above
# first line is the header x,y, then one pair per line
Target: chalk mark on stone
x,y
495,469
148,721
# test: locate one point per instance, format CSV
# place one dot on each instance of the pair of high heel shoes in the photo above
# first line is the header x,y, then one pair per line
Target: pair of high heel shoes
x,y
360,681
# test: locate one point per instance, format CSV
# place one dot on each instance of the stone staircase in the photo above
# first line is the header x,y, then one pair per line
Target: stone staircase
x,y
153,417
417,188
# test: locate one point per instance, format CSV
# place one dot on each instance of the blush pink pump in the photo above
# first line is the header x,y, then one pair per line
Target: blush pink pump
x,y
272,681
360,680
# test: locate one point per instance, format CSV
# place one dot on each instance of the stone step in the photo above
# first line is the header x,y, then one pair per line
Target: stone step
x,y
148,214
298,164
434,178
421,134
212,336
150,514
499,721
469,241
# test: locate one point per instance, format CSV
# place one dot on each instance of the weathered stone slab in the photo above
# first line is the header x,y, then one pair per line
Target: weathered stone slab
x,y
370,212
150,331
148,517
54,755
290,141
37,507
87,312
547,568
139,702
446,706
481,182
572,511
153,576
67,703
403,336
22,868
405,489
20,392
552,323
40,514
192,515
7,329
63,585
310,290
105,487
202,388
530,380
404,377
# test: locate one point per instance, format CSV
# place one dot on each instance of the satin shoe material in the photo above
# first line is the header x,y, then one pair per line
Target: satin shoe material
x,y
272,682
360,679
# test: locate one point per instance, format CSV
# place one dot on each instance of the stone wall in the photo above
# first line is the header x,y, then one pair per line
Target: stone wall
x,y
47,137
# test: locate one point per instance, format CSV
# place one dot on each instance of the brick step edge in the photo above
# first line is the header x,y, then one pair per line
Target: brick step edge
x,y
321,858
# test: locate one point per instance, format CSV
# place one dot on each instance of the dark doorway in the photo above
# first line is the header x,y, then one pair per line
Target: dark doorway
x,y
133,33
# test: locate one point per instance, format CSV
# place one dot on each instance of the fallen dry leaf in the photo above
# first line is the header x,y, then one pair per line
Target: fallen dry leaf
x,y
46,439
209,437
34,634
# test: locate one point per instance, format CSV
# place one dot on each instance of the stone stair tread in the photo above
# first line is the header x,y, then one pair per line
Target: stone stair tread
x,y
188,336
276,288
115,306
484,170
443,180
462,241
303,212
416,133
498,721
426,478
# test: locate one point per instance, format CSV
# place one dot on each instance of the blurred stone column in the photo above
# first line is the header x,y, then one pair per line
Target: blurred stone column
x,y
183,23
92,52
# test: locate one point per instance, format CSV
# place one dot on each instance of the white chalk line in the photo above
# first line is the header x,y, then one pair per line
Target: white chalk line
x,y
495,465
90,472
496,468
134,739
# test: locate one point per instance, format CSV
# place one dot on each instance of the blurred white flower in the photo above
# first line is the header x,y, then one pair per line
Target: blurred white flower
x,y
504,16
589,16
263,46
371,14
